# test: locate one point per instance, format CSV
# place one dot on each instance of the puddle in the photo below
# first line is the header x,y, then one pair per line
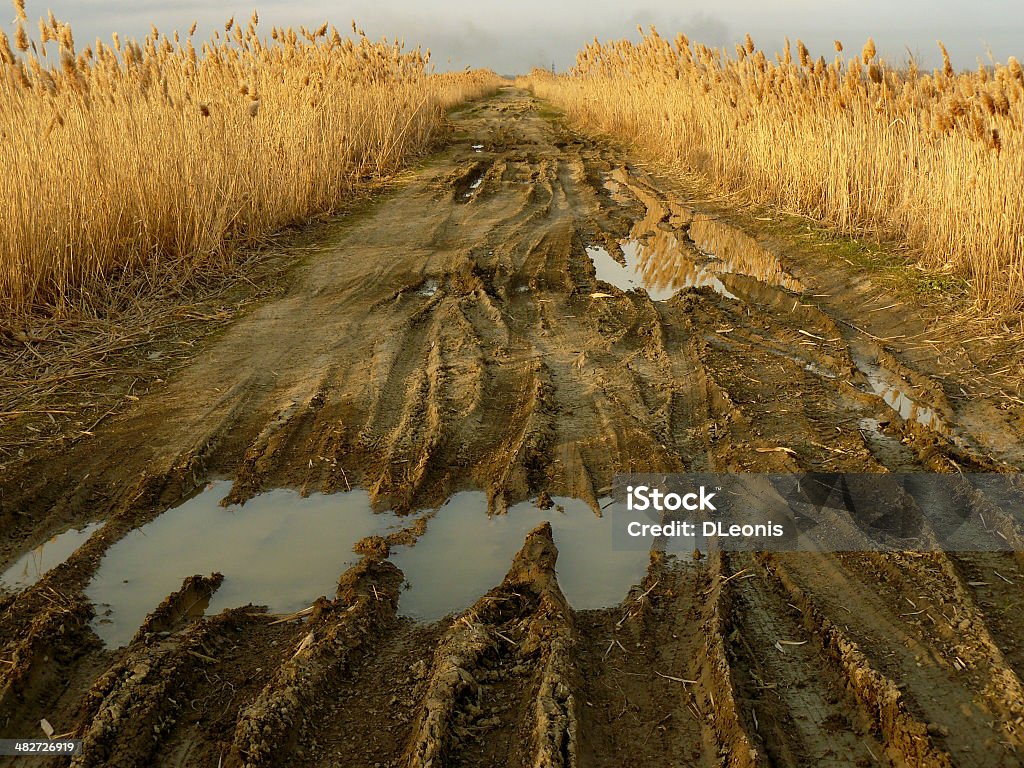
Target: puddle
x,y
610,271
739,253
478,147
283,551
893,390
662,277
472,183
659,259
909,410
665,267
32,566
278,550
465,553
662,260
429,288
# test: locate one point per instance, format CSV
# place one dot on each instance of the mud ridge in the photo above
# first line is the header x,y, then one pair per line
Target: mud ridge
x,y
519,631
271,726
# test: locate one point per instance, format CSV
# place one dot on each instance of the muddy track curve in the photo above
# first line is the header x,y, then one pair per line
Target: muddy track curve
x,y
523,316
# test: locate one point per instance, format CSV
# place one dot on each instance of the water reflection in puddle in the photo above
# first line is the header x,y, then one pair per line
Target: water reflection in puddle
x,y
465,553
472,186
893,390
279,549
908,410
470,183
32,566
672,248
736,252
662,278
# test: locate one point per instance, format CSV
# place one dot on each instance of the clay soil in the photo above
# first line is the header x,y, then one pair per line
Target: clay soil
x,y
447,337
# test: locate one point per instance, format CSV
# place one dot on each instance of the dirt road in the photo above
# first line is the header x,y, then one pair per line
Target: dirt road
x,y
473,330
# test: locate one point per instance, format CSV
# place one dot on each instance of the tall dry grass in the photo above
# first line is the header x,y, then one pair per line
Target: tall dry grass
x,y
933,160
160,157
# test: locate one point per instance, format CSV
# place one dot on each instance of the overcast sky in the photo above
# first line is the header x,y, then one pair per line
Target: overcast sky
x,y
512,37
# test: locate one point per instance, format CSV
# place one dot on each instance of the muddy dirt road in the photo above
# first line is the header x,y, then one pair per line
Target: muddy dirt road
x,y
475,331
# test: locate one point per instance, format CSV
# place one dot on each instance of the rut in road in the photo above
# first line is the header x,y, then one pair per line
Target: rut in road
x,y
476,328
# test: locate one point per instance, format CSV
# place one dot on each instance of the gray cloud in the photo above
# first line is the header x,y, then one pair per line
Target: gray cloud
x,y
515,37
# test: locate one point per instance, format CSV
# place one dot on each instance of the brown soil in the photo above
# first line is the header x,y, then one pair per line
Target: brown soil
x,y
448,338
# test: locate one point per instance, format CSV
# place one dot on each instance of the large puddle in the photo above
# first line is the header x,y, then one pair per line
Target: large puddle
x,y
279,550
283,551
465,553
32,566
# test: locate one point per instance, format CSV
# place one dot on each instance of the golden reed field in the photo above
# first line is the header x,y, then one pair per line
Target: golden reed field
x,y
161,156
929,160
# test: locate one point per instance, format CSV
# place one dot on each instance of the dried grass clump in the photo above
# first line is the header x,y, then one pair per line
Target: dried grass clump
x,y
930,160
139,156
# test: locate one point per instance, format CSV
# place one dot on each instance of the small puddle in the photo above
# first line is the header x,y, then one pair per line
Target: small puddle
x,y
470,184
33,565
465,553
893,390
478,147
429,288
279,550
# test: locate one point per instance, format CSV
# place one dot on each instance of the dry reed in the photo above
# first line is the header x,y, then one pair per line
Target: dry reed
x,y
163,156
929,160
